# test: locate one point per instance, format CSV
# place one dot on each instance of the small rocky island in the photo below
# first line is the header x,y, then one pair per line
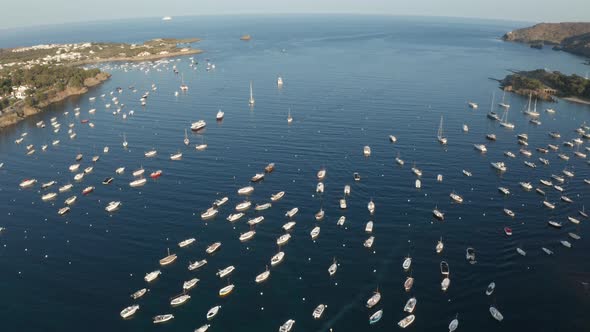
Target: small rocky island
x,y
34,77
570,37
548,85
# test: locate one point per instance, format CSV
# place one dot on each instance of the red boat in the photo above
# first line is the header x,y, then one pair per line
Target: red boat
x,y
87,190
508,231
156,174
84,121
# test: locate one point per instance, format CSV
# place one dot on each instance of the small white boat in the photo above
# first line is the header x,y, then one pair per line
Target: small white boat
x,y
509,213
566,244
226,290
187,242
446,282
320,187
277,259
490,288
247,236
63,210
407,263
189,284
291,213
138,182
213,248
243,206
369,242
371,207
246,190
162,318
367,151
198,125
289,225
504,190
71,200
500,166
283,239
319,311
205,327
225,272
169,259
343,205
176,156
496,314
262,277
480,147
392,138
180,300
321,174
472,105
410,305
49,196
213,312
407,321
196,265
138,294
315,232
220,115
209,214
526,185
277,196
149,277
27,183
453,324
136,173
129,311
521,251
113,206
287,326
374,299
439,246
369,227
347,189
235,216
456,198
150,154
66,187
333,268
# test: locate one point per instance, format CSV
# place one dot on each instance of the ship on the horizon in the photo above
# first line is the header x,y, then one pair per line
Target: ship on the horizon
x,y
167,18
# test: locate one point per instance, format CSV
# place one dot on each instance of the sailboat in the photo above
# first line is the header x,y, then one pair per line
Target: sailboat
x,y
492,115
441,138
183,86
125,144
534,112
504,121
504,104
251,100
186,140
289,117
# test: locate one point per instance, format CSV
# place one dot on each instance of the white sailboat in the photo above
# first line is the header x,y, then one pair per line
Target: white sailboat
x,y
186,140
503,104
504,121
251,100
440,136
125,144
289,117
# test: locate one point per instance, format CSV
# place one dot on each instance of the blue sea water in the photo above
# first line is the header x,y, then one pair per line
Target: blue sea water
x,y
350,81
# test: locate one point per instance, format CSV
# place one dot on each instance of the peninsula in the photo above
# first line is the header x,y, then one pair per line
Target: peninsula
x,y
570,37
548,85
34,77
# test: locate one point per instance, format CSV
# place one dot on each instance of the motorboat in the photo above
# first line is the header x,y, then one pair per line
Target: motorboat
x,y
65,187
530,164
549,205
283,239
504,190
209,214
367,151
87,190
490,288
269,168
149,277
315,232
456,198
319,311
343,205
438,214
521,252
243,206
225,291
445,283
156,174
221,201
525,152
369,227
374,299
369,242
288,325
439,246
198,125
262,207
565,243
500,166
356,176
162,318
407,263
508,231
258,177
491,137
277,196
108,180
509,154
321,174
470,255
187,242
320,187
246,190
480,147
138,182
220,115
410,305
179,300
70,200
333,268
289,226
407,321
196,265
129,311
509,213
247,236
63,210
347,189
444,268
376,317
213,248
138,294
554,224
27,183
49,196
526,185
291,213
408,283
120,170
235,216
371,207
496,314
150,154
176,156
113,206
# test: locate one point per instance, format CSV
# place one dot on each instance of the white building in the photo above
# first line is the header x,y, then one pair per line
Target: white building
x,y
20,92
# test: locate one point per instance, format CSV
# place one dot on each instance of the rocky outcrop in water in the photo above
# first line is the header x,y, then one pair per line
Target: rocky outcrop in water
x,y
572,37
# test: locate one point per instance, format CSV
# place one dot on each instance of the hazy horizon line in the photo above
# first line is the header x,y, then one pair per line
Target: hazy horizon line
x,y
252,14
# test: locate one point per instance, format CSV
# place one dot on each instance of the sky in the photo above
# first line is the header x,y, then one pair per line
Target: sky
x,y
42,12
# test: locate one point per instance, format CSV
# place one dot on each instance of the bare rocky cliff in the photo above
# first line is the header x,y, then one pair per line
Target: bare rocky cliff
x,y
573,37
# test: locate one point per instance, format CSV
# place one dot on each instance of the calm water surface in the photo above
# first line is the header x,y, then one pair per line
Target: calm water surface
x,y
349,82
